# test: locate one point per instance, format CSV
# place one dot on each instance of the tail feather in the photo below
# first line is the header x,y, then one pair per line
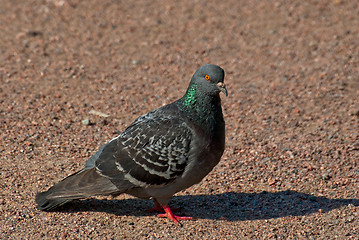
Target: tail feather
x,y
82,184
45,204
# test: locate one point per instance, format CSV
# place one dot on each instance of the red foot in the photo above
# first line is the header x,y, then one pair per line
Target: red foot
x,y
169,214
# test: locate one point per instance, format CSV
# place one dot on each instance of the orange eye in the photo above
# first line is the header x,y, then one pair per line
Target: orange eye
x,y
207,77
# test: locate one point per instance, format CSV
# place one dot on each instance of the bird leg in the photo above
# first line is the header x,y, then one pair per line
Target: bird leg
x,y
158,207
169,214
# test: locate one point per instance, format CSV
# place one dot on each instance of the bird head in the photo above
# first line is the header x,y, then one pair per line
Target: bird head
x,y
210,79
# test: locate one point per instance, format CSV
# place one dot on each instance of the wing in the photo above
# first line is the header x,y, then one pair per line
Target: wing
x,y
153,151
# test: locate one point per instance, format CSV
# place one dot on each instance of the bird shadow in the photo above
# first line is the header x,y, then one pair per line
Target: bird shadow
x,y
230,206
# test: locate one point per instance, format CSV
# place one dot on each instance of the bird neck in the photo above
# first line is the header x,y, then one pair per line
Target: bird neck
x,y
203,108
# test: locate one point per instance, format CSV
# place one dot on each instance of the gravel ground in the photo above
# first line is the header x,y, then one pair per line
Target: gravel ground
x,y
291,164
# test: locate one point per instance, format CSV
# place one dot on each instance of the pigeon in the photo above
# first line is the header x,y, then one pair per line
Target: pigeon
x,y
159,154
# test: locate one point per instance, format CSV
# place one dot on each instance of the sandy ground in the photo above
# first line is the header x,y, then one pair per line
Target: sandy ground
x,y
291,164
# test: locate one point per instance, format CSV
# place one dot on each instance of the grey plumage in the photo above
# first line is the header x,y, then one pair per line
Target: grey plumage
x,y
160,153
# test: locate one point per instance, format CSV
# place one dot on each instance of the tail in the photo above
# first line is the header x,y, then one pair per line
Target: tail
x,y
79,185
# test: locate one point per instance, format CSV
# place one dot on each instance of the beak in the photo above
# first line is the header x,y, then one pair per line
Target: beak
x,y
222,88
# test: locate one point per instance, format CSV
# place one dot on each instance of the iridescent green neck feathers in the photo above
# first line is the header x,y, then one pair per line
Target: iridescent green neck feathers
x,y
190,97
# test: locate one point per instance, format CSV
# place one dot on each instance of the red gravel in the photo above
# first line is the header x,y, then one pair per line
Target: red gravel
x,y
291,165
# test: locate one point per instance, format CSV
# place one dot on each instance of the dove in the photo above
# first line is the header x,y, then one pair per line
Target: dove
x,y
161,153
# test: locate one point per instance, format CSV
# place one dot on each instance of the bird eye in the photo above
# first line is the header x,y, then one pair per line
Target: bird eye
x,y
207,77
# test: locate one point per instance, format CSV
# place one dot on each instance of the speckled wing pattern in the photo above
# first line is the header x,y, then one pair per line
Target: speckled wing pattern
x,y
152,151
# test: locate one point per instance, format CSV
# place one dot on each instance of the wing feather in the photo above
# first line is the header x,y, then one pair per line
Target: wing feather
x,y
152,151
